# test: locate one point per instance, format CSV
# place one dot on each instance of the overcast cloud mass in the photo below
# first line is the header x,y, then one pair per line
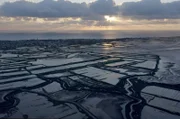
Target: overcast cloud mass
x,y
96,13
145,9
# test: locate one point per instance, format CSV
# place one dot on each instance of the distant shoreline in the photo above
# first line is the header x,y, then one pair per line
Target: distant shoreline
x,y
12,44
93,39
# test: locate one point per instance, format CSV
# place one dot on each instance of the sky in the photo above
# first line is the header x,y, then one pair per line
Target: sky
x,y
88,15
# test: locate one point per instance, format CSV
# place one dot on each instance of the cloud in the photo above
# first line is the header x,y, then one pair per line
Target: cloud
x,y
45,9
104,7
150,9
144,9
59,8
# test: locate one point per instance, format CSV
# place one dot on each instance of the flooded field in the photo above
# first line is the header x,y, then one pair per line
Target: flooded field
x,y
118,79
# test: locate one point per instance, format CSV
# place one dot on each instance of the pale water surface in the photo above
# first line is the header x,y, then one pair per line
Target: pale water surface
x,y
87,35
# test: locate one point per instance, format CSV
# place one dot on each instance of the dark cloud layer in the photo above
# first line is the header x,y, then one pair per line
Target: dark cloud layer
x,y
145,9
60,8
46,8
151,9
104,7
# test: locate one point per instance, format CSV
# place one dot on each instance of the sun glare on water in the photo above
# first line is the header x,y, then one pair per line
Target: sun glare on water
x,y
107,46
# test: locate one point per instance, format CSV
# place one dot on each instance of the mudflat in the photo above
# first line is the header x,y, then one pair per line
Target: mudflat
x,y
133,78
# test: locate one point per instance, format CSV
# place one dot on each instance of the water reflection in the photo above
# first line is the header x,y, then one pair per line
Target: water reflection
x,y
103,86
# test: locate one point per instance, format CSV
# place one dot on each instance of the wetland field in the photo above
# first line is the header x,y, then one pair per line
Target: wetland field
x,y
133,78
